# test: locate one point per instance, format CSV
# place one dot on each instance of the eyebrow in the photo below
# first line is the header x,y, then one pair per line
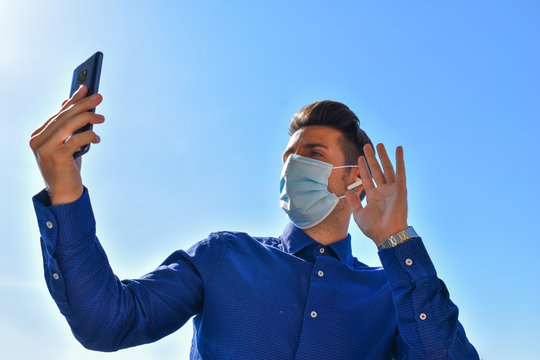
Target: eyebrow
x,y
312,145
309,146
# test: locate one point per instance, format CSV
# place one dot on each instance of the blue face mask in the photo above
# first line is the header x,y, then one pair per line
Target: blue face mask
x,y
304,190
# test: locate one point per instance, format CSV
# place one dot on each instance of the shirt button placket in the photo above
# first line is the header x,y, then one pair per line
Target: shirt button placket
x,y
320,273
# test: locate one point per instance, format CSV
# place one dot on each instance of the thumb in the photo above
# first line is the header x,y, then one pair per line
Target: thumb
x,y
354,201
78,163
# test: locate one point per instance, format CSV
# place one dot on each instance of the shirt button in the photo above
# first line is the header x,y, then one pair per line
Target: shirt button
x,y
55,276
320,273
49,224
314,314
409,262
321,250
423,316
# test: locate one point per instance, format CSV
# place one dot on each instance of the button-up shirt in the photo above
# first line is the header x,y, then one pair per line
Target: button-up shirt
x,y
286,297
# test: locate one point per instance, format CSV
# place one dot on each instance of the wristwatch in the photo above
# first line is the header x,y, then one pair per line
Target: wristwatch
x,y
398,238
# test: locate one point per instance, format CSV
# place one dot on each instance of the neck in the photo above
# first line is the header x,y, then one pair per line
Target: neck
x,y
331,230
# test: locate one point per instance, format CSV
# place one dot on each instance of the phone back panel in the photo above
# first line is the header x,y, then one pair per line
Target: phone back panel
x,y
88,73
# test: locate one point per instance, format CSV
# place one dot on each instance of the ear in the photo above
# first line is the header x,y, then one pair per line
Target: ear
x,y
356,172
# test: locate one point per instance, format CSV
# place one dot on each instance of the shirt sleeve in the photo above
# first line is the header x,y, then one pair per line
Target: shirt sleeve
x,y
428,326
103,312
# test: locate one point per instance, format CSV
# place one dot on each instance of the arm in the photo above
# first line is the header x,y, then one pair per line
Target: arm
x,y
103,312
428,326
427,319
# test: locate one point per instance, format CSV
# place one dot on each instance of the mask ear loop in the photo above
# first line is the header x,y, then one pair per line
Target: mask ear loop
x,y
354,184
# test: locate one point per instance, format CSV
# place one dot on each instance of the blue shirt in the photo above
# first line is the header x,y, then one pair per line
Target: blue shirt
x,y
252,297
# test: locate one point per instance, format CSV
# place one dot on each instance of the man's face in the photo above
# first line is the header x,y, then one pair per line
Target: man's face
x,y
323,143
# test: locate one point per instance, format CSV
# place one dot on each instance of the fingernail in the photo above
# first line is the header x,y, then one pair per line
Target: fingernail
x,y
94,97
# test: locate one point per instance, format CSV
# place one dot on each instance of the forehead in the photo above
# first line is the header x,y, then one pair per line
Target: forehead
x,y
316,134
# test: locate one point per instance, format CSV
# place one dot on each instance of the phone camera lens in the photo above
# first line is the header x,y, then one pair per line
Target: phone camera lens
x,y
82,76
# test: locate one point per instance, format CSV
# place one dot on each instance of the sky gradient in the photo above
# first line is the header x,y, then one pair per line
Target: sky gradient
x,y
197,101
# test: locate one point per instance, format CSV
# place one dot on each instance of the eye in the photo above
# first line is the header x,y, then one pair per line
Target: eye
x,y
315,153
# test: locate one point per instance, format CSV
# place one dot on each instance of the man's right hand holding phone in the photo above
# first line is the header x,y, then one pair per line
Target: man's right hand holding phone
x,y
54,146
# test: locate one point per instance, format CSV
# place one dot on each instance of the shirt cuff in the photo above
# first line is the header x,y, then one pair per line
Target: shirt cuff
x,y
63,227
407,263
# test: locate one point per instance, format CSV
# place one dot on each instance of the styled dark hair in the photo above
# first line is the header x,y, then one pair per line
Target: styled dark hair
x,y
338,116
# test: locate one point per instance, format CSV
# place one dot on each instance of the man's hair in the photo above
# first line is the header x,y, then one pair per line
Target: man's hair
x,y
338,116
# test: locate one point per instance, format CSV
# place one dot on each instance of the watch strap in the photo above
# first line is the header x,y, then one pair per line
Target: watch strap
x,y
398,238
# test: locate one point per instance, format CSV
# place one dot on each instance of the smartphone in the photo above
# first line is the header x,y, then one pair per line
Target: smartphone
x,y
88,73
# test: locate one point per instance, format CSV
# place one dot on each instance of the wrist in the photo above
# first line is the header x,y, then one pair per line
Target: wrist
x,y
62,198
382,237
398,238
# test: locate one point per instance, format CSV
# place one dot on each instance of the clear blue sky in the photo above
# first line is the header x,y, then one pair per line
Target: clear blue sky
x,y
197,100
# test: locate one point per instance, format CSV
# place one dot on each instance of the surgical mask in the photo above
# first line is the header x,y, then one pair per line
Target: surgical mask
x,y
304,194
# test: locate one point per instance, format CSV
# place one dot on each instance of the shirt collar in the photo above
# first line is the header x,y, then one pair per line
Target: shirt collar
x,y
294,240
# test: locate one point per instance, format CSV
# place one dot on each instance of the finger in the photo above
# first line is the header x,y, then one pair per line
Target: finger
x,y
400,165
389,174
354,201
65,115
61,132
75,123
84,104
37,138
45,124
79,94
40,129
78,161
76,141
364,174
374,165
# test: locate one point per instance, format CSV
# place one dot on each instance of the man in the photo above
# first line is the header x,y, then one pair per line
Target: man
x,y
300,296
